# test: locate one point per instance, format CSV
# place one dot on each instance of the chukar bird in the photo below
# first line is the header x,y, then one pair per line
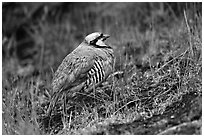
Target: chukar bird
x,y
83,69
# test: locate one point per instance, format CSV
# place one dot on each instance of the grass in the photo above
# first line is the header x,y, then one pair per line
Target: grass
x,y
158,65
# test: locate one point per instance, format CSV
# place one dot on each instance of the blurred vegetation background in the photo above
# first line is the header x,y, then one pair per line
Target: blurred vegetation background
x,y
40,35
146,37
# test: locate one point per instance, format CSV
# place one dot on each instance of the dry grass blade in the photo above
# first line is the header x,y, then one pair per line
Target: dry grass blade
x,y
189,33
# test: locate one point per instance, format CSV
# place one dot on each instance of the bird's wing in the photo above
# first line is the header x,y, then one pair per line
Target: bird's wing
x,y
72,71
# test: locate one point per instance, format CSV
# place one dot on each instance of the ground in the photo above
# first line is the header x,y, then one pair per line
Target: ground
x,y
181,118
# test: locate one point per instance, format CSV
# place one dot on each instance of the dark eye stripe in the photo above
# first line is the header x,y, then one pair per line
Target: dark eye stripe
x,y
93,42
101,36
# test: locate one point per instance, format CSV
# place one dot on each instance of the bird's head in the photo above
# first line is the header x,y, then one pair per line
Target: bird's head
x,y
97,39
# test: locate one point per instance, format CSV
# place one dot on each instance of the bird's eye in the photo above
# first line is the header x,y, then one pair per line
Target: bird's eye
x,y
93,42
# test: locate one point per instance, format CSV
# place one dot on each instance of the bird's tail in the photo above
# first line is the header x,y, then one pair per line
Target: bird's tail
x,y
53,102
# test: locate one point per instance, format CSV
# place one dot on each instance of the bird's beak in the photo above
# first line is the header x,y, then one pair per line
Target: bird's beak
x,y
105,36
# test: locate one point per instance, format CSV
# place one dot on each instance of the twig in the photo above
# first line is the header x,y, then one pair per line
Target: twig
x,y
124,106
70,120
189,34
171,61
94,96
113,85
